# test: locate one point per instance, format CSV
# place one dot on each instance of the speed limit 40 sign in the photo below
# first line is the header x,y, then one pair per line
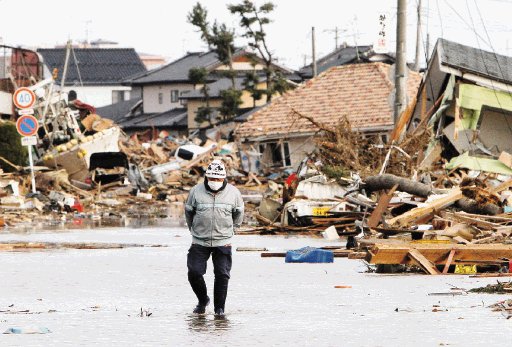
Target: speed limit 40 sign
x,y
24,98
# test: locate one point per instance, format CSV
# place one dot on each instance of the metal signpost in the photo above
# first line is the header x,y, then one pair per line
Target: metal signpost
x,y
27,124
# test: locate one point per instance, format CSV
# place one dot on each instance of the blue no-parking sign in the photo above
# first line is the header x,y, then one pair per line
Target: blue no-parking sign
x,y
27,125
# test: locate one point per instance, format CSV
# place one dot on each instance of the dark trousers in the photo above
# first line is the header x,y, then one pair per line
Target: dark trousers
x,y
196,262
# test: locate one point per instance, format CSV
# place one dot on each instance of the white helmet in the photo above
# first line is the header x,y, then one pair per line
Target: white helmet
x,y
216,169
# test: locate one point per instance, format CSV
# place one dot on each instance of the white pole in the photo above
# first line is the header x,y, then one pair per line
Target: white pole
x,y
31,168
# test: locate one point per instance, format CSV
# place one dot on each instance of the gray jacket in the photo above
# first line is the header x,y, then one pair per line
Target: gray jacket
x,y
211,218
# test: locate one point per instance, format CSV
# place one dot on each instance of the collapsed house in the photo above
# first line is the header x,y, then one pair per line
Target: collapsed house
x,y
465,97
283,131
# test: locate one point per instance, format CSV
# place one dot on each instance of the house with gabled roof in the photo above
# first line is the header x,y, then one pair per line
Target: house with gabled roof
x,y
364,93
168,87
94,75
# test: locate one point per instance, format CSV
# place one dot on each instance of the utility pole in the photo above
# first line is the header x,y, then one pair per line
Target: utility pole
x,y
427,48
336,37
313,50
418,39
400,66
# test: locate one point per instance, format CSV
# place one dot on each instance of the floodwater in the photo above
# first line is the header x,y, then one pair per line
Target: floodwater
x,y
95,297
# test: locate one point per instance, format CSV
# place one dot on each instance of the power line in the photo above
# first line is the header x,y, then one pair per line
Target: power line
x,y
440,18
464,21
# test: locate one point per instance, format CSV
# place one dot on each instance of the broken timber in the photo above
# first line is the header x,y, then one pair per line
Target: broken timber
x,y
420,212
437,254
422,262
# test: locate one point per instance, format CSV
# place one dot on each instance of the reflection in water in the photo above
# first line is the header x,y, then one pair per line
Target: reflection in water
x,y
207,323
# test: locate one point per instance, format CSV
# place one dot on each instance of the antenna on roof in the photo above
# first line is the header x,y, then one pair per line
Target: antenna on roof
x,y
336,30
87,22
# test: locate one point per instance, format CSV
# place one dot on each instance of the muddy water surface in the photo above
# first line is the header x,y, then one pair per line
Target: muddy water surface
x,y
95,297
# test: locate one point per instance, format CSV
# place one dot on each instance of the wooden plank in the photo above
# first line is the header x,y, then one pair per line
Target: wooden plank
x,y
423,262
448,262
382,205
357,255
502,186
420,212
438,253
461,217
251,249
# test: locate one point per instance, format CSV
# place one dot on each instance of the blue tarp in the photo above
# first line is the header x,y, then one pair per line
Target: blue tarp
x,y
309,255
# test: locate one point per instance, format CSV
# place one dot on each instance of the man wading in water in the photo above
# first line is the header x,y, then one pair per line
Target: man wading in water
x,y
212,210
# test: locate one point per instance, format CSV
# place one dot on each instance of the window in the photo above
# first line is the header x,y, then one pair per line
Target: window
x,y
276,154
117,96
174,95
160,98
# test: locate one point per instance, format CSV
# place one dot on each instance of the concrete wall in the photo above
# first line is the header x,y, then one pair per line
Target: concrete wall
x,y
96,96
151,101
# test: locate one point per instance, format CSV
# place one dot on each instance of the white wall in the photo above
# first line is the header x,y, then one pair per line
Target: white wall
x,y
150,97
5,103
96,96
299,147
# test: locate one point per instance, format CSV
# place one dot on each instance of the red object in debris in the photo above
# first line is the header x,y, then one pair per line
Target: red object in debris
x,y
77,206
510,266
291,179
83,106
78,221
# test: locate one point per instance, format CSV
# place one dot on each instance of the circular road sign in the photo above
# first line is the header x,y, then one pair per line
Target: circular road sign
x,y
27,125
23,98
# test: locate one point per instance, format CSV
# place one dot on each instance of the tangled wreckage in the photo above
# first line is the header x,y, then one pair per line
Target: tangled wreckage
x,y
436,197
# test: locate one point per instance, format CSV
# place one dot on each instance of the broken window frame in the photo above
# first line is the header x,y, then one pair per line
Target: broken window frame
x,y
281,156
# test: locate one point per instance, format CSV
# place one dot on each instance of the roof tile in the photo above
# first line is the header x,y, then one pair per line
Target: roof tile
x,y
362,92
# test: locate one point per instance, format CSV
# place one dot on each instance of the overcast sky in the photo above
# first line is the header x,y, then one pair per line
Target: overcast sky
x,y
160,26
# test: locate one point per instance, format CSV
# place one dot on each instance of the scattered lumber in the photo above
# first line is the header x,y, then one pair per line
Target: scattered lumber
x,y
419,212
422,262
438,254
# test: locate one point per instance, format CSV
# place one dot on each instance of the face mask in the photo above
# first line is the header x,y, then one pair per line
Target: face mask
x,y
215,185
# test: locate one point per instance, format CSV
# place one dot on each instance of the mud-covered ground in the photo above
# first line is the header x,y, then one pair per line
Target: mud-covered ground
x,y
95,297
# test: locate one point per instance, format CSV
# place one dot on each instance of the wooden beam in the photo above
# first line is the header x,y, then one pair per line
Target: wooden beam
x,y
382,205
423,262
462,217
438,253
448,262
420,212
502,186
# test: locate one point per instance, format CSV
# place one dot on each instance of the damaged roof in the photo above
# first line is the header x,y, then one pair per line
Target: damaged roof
x,y
362,92
480,62
96,66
